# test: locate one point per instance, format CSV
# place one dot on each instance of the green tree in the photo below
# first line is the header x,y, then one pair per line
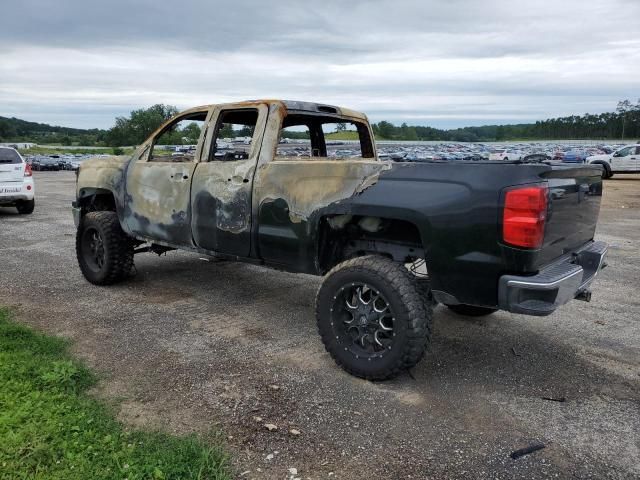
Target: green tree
x,y
226,131
407,132
386,130
191,133
140,124
624,106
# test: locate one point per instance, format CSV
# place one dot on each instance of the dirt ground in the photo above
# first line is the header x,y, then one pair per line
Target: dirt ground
x,y
194,345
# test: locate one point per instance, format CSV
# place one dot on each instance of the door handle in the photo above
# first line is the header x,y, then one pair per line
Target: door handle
x,y
177,177
237,180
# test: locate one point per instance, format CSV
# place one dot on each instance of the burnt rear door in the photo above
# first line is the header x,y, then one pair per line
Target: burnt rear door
x,y
223,181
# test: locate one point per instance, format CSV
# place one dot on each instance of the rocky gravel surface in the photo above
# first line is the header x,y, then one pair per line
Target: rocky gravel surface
x,y
191,344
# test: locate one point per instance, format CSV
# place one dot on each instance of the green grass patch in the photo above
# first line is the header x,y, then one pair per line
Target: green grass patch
x,y
344,135
51,429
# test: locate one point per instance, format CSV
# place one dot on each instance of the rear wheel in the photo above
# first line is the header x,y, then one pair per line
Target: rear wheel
x,y
25,207
104,251
472,310
373,318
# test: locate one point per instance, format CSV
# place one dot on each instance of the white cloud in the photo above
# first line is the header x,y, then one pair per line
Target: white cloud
x,y
464,63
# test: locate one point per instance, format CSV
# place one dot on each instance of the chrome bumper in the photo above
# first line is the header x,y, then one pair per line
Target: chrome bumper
x,y
567,278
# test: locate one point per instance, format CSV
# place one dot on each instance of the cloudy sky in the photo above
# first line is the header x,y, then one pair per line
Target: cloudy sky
x,y
443,63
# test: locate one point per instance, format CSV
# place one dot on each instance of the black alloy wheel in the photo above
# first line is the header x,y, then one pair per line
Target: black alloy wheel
x,y
363,319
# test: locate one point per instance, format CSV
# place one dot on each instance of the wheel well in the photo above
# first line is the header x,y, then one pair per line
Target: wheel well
x,y
342,237
96,199
605,165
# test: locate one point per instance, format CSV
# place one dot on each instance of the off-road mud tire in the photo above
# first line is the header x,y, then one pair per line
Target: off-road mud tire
x,y
118,248
412,316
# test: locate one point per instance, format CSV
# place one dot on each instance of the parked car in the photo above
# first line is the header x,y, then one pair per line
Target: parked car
x,y
624,160
46,164
574,156
72,164
490,235
504,154
536,157
16,181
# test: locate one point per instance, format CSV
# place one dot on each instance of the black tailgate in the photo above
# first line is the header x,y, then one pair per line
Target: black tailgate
x,y
574,204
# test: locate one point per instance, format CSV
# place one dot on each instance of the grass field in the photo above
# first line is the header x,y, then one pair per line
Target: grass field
x,y
51,429
344,135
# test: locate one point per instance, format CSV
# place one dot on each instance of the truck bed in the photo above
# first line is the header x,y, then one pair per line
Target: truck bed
x,y
458,206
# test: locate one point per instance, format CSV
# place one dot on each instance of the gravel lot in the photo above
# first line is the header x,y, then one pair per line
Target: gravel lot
x,y
189,344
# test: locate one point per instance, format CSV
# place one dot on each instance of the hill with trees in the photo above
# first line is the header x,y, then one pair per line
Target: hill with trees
x,y
17,130
623,123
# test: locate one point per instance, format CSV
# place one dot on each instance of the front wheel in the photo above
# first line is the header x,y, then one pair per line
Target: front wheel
x,y
372,317
104,251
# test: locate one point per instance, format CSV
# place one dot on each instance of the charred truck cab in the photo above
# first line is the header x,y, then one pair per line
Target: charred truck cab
x,y
261,182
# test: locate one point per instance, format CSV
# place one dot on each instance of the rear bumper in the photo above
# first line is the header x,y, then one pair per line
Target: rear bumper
x,y
566,278
12,192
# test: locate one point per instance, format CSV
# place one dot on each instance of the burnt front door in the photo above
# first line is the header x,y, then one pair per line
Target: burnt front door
x,y
158,184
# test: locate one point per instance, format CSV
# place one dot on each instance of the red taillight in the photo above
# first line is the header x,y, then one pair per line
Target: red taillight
x,y
525,211
27,170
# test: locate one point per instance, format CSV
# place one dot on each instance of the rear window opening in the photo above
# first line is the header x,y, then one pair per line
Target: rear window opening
x,y
9,156
324,136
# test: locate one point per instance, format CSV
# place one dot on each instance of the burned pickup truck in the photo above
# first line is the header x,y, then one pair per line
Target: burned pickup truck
x,y
261,182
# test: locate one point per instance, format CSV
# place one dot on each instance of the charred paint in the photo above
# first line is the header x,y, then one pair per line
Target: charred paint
x,y
309,185
101,172
211,204
158,203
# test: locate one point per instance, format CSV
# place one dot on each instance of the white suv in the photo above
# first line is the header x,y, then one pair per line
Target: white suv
x,y
624,160
16,181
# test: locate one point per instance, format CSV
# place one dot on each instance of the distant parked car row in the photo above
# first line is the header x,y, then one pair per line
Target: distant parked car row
x,y
53,163
613,158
